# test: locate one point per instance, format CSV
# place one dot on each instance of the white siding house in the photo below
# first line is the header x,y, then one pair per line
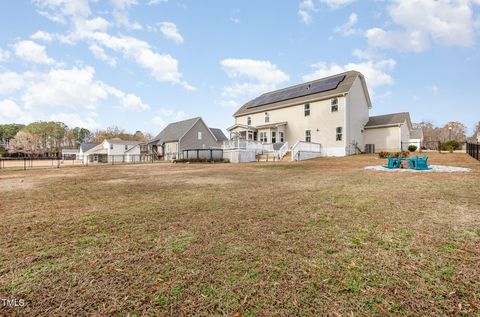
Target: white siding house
x,y
389,133
113,151
331,114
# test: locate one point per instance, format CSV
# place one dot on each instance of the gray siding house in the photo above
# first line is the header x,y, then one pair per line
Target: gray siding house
x,y
190,134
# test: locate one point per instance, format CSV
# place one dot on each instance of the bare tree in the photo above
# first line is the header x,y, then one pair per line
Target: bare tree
x,y
25,143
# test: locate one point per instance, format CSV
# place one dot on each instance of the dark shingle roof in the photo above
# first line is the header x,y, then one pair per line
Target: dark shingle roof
x,y
174,131
389,119
416,133
304,95
219,135
124,142
87,146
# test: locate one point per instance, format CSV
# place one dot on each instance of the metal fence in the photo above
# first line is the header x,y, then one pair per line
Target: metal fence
x,y
473,149
24,163
202,154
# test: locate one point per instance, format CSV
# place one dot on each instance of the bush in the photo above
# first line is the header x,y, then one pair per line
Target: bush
x,y
412,148
450,145
384,154
402,154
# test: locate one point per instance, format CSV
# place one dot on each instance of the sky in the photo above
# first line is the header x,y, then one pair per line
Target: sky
x,y
140,64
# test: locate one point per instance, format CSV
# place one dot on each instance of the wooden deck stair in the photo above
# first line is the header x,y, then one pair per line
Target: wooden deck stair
x,y
288,156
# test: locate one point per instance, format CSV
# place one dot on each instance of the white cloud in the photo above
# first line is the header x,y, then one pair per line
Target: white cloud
x,y
261,71
4,55
32,52
250,78
420,23
123,4
335,4
305,10
347,28
70,91
42,36
10,82
99,53
64,88
9,109
130,102
376,72
169,30
163,67
413,41
166,116
155,2
86,120
58,10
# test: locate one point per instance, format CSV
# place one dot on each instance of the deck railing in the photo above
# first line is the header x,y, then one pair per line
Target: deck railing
x,y
258,147
302,146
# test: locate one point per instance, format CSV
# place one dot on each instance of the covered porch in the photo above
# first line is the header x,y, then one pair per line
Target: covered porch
x,y
267,133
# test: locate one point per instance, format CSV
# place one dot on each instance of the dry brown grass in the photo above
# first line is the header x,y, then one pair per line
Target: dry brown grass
x,y
320,237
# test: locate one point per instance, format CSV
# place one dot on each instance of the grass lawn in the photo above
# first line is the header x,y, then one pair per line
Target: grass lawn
x,y
320,237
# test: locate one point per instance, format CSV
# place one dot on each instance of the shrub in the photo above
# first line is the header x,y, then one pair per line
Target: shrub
x,y
412,148
402,154
450,145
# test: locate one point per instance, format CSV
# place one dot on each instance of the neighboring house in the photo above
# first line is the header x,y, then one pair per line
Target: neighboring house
x,y
416,138
390,132
331,111
69,154
185,135
113,150
84,147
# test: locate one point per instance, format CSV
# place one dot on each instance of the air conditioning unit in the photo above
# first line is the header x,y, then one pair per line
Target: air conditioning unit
x,y
369,148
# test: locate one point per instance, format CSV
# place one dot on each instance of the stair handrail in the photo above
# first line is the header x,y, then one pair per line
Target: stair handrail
x,y
294,151
283,150
305,147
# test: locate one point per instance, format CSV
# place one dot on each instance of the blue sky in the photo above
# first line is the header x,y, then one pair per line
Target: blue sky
x,y
140,64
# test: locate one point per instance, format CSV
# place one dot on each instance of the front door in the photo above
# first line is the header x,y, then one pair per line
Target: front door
x,y
281,135
274,137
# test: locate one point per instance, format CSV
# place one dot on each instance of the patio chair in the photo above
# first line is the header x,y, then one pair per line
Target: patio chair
x,y
393,162
422,163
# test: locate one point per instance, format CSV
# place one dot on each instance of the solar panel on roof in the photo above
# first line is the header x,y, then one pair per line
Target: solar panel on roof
x,y
297,91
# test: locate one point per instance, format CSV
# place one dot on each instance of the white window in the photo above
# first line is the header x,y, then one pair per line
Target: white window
x,y
199,135
249,120
339,133
282,136
308,136
306,109
126,147
274,137
263,137
267,117
334,105
111,146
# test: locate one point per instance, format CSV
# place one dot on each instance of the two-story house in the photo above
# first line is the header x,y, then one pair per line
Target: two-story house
x,y
331,111
113,150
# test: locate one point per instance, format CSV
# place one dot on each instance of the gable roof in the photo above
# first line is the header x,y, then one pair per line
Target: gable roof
x,y
122,142
416,133
319,89
174,131
87,146
392,119
218,134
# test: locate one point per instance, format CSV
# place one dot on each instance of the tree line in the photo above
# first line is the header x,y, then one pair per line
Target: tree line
x,y
451,131
48,138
